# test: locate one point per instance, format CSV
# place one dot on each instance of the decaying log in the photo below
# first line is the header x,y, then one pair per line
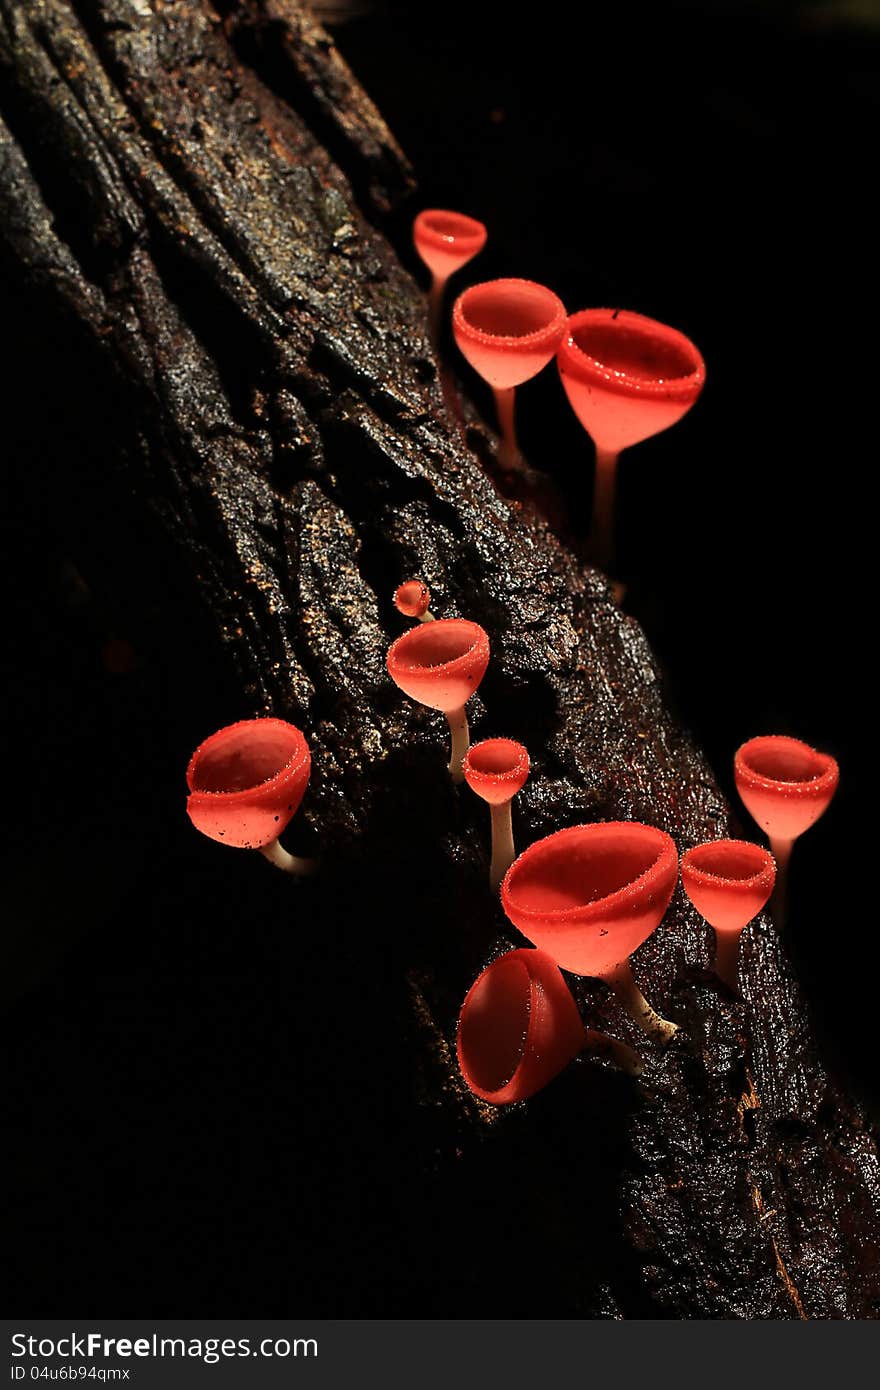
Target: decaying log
x,y
189,191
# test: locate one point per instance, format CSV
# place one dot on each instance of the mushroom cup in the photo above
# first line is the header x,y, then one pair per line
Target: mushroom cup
x,y
589,896
441,664
786,786
496,770
446,241
412,599
508,330
627,377
728,882
246,782
519,1027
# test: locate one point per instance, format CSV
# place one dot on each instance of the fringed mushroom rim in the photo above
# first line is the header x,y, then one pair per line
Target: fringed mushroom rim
x,y
709,879
677,387
300,755
826,776
667,859
545,334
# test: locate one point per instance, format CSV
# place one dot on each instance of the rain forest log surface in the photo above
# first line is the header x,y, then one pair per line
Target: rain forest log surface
x,y
195,198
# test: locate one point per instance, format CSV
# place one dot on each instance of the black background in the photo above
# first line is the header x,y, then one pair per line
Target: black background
x,y
707,165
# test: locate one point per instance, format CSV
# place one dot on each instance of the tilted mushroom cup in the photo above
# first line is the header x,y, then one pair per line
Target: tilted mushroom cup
x,y
246,783
496,770
440,665
519,1027
589,896
508,330
728,882
446,241
627,377
787,786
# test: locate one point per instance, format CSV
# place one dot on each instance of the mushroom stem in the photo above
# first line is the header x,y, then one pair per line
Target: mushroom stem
x,y
601,544
503,852
427,617
630,997
285,861
461,742
435,307
781,851
620,1054
727,958
509,455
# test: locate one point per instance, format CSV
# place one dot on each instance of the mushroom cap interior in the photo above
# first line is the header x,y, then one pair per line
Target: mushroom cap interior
x,y
245,756
735,860
634,349
785,761
452,225
497,757
569,870
509,308
436,644
494,1024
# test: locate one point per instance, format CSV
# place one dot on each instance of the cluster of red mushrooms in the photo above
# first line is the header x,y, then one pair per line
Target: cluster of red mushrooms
x,y
588,896
627,377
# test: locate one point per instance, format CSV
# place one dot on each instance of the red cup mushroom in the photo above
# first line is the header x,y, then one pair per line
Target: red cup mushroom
x,y
519,1027
440,665
728,882
446,241
627,377
245,785
787,786
508,330
412,599
589,896
496,770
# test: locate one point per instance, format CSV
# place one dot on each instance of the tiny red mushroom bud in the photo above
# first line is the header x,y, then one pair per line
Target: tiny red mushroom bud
x,y
446,241
412,599
589,896
440,665
787,786
728,882
519,1027
246,783
496,770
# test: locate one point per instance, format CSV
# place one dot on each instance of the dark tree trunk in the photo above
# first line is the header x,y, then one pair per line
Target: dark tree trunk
x,y
194,201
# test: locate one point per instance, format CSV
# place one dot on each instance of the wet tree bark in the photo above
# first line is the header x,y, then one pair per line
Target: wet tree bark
x,y
194,197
